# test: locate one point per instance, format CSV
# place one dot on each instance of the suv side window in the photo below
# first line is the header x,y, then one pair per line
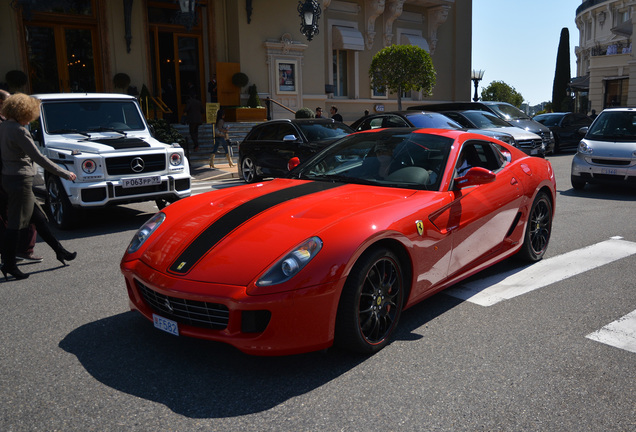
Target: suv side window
x,y
285,129
269,132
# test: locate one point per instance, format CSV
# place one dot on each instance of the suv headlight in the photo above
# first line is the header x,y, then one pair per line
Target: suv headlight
x,y
175,159
89,166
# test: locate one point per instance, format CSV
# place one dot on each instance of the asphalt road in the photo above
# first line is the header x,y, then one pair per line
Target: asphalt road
x,y
74,358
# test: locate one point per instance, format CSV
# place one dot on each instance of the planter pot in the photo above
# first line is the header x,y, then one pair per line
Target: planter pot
x,y
245,114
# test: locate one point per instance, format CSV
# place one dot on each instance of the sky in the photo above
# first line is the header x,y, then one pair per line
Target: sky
x,y
516,41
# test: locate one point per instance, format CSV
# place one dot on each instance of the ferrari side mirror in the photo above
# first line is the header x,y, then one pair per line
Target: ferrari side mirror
x,y
474,177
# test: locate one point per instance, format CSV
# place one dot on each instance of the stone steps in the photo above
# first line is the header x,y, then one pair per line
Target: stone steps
x,y
238,131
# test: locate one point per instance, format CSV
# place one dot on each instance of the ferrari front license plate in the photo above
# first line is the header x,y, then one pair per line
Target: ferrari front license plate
x,y
165,324
140,181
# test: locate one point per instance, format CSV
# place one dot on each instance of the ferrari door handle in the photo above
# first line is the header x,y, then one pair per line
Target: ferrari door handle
x,y
513,181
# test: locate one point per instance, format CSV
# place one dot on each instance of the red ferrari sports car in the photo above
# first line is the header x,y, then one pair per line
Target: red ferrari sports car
x,y
337,250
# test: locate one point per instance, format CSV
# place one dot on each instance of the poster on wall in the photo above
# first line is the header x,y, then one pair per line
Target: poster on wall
x,y
286,76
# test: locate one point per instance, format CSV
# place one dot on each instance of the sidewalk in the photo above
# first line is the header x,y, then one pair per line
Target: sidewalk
x,y
201,171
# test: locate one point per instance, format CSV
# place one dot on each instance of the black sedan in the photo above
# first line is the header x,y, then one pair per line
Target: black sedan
x,y
565,127
268,147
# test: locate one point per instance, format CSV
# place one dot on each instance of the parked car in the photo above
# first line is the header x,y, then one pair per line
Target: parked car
x,y
373,224
268,147
105,140
607,153
504,111
420,119
529,142
565,127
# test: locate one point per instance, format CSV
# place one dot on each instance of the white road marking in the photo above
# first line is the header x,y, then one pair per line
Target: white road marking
x,y
620,334
494,289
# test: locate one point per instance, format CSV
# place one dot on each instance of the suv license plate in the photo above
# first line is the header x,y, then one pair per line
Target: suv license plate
x,y
165,324
140,181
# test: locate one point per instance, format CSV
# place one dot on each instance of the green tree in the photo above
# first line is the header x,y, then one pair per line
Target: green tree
x,y
560,99
401,68
501,92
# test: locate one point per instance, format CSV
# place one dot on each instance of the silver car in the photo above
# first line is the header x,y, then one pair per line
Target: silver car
x,y
607,153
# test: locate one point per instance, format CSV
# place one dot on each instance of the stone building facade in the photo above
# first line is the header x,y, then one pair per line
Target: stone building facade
x,y
606,67
173,48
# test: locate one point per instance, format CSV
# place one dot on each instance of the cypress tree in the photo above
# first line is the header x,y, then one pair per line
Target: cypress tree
x,y
560,100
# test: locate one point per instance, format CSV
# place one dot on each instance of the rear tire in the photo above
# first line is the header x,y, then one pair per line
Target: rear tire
x,y
371,302
538,230
248,171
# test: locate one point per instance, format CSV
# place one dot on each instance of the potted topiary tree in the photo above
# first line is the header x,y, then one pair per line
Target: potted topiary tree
x,y
253,111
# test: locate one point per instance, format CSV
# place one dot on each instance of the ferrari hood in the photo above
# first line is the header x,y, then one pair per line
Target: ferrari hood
x,y
231,236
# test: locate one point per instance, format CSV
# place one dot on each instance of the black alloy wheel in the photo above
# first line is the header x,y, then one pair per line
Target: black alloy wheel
x,y
538,230
371,302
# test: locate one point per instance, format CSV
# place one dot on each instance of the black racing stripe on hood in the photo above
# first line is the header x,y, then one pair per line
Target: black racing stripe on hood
x,y
236,217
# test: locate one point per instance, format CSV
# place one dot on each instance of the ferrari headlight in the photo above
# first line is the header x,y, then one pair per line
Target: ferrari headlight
x,y
292,263
145,231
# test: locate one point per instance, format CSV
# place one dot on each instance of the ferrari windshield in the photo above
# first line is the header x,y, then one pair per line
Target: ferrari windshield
x,y
396,157
91,116
614,126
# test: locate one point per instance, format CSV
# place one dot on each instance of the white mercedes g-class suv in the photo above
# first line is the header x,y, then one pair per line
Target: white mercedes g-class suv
x,y
105,140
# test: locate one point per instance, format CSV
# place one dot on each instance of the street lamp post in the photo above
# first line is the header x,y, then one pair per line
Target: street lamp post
x,y
477,76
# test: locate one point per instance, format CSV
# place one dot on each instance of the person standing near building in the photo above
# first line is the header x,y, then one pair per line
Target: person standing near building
x,y
194,118
19,156
221,137
319,112
334,113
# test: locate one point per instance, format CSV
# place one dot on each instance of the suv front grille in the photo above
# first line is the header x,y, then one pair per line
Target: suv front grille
x,y
122,165
191,312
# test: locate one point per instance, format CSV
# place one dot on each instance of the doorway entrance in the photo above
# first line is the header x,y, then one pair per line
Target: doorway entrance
x,y
62,57
176,60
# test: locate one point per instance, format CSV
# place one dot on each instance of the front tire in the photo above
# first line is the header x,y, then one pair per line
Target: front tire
x,y
248,170
577,182
371,302
58,205
538,230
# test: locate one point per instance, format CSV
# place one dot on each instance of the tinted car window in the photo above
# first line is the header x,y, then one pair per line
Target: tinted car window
x,y
509,112
268,132
323,131
614,125
549,119
432,120
284,130
395,121
483,120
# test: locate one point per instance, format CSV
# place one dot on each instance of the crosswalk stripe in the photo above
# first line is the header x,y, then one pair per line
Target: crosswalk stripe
x,y
620,333
496,288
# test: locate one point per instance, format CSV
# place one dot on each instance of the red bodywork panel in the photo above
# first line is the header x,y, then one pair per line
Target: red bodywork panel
x,y
447,236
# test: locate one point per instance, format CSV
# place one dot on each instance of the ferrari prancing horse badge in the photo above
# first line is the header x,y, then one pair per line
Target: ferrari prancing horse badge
x,y
420,226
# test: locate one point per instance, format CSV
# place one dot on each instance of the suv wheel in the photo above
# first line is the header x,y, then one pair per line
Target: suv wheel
x,y
58,205
248,170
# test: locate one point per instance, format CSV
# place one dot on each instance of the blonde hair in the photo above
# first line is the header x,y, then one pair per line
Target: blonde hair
x,y
21,108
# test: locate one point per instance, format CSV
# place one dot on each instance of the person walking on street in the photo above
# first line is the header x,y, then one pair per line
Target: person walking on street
x,y
334,113
28,237
194,118
19,156
221,137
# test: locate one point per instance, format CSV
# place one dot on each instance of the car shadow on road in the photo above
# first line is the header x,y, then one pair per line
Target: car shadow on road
x,y
203,379
618,192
